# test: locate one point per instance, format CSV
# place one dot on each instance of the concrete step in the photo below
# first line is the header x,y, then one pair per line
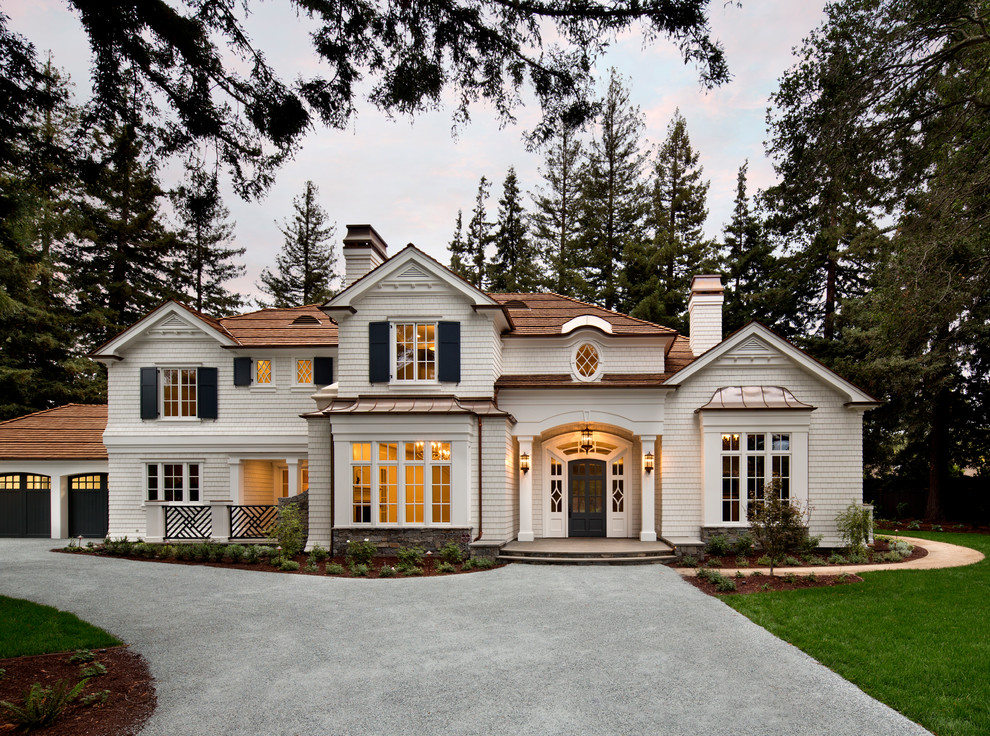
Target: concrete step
x,y
577,559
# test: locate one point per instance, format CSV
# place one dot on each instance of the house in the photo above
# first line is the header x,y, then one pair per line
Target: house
x,y
417,409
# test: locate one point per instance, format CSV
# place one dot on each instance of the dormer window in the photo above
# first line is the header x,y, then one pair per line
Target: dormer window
x,y
587,363
415,351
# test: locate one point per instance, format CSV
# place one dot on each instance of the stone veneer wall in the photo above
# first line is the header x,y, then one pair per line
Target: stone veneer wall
x,y
301,502
388,541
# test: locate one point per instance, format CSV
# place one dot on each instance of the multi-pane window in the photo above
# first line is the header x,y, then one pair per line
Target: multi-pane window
x,y
178,392
764,457
618,486
86,482
586,360
173,482
14,482
263,372
408,482
556,486
304,370
415,351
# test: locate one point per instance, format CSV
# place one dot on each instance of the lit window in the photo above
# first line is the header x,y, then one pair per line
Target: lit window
x,y
414,494
173,482
263,372
759,453
178,392
388,483
304,370
556,486
415,352
586,360
441,494
409,485
618,486
361,486
86,482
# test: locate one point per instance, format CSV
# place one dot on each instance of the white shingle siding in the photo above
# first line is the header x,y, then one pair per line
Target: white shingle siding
x,y
500,487
530,355
479,343
320,479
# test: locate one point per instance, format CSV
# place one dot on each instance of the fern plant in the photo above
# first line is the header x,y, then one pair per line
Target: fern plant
x,y
43,705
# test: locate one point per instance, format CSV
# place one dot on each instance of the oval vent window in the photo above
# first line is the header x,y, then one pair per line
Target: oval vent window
x,y
586,360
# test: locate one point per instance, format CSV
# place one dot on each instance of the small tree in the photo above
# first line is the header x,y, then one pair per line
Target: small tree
x,y
855,524
288,532
777,524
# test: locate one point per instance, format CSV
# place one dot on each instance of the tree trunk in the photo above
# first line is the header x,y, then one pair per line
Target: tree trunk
x,y
938,459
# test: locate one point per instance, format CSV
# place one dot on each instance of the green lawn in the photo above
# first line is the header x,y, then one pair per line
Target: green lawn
x,y
917,640
29,628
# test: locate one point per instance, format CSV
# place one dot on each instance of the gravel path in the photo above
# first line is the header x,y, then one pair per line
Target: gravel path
x,y
519,650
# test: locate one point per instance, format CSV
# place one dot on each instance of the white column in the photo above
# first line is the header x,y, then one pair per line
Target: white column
x,y
648,490
293,464
525,493
236,491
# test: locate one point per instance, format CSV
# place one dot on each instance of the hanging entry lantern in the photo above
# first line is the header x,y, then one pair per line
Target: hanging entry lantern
x,y
587,439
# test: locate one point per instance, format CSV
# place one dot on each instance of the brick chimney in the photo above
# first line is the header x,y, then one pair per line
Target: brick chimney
x,y
364,250
705,313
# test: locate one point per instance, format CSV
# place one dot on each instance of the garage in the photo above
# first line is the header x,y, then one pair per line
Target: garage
x,y
89,508
25,505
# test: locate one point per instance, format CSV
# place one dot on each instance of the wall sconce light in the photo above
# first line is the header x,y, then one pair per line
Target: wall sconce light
x,y
587,439
524,463
648,462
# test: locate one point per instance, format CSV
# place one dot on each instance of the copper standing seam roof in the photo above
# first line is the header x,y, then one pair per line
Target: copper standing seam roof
x,y
413,405
70,432
754,397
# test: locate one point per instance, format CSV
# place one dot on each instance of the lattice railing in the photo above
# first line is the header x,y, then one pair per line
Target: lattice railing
x,y
251,522
188,522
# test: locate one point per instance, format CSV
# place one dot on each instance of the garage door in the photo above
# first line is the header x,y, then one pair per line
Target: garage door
x,y
88,506
25,505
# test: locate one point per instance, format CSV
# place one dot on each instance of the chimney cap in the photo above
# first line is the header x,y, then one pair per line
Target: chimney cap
x,y
365,236
707,284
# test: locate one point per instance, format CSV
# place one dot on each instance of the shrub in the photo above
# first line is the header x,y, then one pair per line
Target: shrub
x,y
705,574
43,705
485,563
713,562
82,656
410,556
251,554
763,561
287,531
289,565
791,578
902,547
95,669
335,568
810,544
408,570
359,569
739,574
183,551
936,527
143,549
892,556
167,551
451,553
263,551
914,525
755,574
360,553
742,562
842,577
310,566
857,558
718,545
318,553
792,561
855,525
236,552
744,544
776,524
386,571
100,696
725,585
811,577
689,561
469,564
836,559
218,552
119,546
816,561
201,551
443,566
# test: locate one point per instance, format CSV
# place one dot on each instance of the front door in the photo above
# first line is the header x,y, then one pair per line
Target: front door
x,y
586,485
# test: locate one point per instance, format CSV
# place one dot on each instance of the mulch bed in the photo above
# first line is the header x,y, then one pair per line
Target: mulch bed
x,y
729,561
779,581
902,527
132,692
428,567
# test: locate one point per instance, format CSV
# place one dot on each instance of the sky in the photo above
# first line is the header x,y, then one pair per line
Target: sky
x,y
408,178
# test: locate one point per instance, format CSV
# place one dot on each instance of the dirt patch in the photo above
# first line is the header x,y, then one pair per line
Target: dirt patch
x,y
130,703
766,583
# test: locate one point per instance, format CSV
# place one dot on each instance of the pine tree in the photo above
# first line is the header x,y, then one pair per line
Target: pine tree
x,y
516,267
748,264
479,236
612,197
204,261
457,248
118,263
677,217
306,267
554,222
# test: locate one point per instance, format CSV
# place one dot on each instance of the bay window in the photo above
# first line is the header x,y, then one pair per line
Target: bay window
x,y
746,457
409,483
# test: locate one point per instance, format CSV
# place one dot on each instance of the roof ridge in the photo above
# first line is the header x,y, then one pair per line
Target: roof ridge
x,y
583,304
45,411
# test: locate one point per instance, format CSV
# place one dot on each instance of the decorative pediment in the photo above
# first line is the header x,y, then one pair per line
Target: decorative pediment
x,y
412,277
752,351
169,321
175,325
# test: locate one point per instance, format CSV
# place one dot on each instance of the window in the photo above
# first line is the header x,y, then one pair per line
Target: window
x,y
173,482
407,482
754,454
415,352
586,360
87,482
556,486
618,486
263,372
178,392
304,371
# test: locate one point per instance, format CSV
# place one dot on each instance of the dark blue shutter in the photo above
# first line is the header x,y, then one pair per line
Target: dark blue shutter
x,y
449,346
242,371
378,352
322,371
149,393
206,393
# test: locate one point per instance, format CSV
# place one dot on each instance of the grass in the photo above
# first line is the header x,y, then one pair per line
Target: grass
x,y
917,640
30,628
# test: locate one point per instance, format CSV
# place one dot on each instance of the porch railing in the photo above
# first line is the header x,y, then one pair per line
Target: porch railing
x,y
188,522
251,522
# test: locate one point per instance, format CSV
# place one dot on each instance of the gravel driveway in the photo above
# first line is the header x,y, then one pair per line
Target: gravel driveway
x,y
519,650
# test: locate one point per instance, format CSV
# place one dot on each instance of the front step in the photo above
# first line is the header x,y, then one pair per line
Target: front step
x,y
582,559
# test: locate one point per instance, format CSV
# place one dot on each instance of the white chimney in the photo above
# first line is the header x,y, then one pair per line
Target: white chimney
x,y
364,250
705,313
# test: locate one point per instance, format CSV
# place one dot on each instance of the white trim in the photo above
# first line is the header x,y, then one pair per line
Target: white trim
x,y
586,320
150,321
272,382
803,361
296,383
599,356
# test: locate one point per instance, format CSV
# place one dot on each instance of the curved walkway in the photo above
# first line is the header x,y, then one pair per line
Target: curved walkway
x,y
523,649
940,554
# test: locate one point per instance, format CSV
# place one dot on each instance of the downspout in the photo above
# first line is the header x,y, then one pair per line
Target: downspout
x,y
481,505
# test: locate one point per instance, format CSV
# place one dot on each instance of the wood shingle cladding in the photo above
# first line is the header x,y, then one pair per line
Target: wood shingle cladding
x,y
70,432
545,314
305,326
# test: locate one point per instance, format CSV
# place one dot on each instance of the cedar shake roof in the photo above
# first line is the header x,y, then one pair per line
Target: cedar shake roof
x,y
275,328
70,432
545,314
